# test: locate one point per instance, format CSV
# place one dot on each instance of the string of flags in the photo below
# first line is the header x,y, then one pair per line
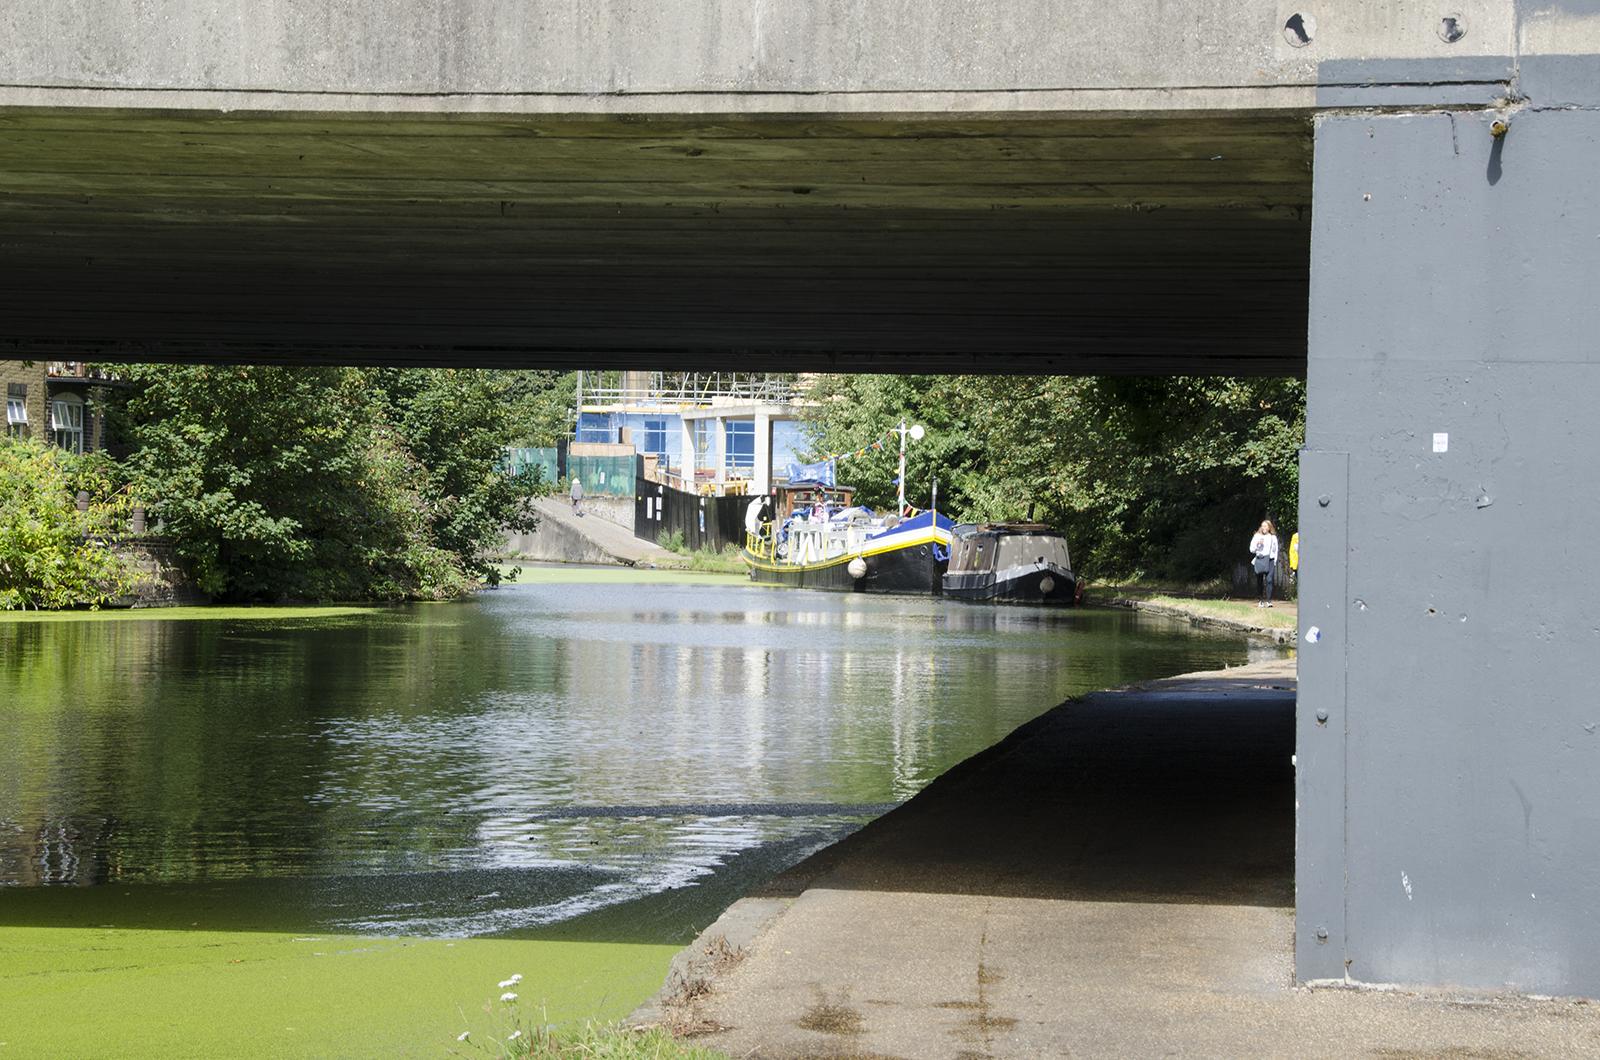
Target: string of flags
x,y
823,470
864,450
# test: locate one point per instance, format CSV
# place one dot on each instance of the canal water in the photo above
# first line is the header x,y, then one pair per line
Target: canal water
x,y
596,762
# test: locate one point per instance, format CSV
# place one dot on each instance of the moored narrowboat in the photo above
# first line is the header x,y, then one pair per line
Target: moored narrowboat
x,y
1012,563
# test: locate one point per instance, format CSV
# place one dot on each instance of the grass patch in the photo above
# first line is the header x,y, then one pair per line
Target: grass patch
x,y
728,561
1236,610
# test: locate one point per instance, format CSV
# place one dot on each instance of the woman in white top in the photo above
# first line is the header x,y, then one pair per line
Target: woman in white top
x,y
1264,549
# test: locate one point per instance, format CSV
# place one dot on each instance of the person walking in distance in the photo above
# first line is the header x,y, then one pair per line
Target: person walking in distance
x,y
1264,549
577,495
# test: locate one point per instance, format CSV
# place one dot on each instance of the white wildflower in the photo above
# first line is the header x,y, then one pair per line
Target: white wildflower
x,y
516,978
508,996
507,982
462,1036
515,1034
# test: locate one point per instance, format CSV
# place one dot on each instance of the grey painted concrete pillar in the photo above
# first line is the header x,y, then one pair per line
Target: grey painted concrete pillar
x,y
1450,800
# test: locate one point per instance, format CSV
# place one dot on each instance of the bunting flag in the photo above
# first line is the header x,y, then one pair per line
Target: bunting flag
x,y
864,450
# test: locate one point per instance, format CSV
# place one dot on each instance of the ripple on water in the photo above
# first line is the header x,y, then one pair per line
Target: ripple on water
x,y
589,758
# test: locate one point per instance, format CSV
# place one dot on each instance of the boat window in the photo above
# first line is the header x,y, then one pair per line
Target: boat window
x,y
1019,549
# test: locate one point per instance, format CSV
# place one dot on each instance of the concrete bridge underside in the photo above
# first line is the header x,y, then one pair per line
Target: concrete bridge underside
x,y
1092,245
978,185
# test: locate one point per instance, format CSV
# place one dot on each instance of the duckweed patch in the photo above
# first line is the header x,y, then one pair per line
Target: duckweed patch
x,y
113,993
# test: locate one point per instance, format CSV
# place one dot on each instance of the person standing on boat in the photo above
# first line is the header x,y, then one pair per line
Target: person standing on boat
x,y
577,495
1264,549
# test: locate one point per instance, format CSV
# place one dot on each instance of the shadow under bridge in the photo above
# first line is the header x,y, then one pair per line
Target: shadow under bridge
x,y
1090,245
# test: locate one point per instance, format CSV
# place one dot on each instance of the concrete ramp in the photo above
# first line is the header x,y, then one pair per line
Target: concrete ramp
x,y
566,538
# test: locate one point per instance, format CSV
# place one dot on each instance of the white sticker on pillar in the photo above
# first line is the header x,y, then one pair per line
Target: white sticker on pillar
x,y
1441,442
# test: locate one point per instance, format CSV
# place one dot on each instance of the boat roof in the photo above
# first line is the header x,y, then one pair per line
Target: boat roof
x,y
968,529
921,521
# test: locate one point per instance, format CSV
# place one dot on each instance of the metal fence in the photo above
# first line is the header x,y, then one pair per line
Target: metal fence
x,y
706,522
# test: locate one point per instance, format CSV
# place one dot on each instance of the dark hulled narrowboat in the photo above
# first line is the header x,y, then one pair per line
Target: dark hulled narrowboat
x,y
1011,563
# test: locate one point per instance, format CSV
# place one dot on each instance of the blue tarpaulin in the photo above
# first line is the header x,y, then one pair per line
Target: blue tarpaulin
x,y
821,474
921,521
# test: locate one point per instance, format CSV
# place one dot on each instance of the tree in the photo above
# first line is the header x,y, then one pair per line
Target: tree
x,y
1154,476
281,482
457,423
540,407
852,412
51,554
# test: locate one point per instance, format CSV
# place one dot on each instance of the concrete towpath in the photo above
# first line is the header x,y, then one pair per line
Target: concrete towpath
x,y
1113,880
591,539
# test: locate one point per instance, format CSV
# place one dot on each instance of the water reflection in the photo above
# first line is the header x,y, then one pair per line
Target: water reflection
x,y
522,760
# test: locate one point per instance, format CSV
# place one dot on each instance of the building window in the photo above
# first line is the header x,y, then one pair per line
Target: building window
x,y
66,419
655,437
742,444
596,427
17,417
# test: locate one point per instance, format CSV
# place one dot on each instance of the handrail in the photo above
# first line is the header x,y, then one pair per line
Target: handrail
x,y
695,390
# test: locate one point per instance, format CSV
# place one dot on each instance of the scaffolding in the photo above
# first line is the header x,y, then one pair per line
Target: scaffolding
x,y
684,389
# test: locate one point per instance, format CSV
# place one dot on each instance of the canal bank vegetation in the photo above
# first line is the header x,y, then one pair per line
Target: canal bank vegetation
x,y
56,509
273,484
727,561
1161,478
515,1036
329,483
604,1042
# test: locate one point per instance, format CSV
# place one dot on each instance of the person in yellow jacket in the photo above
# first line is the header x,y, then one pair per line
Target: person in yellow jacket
x,y
1294,555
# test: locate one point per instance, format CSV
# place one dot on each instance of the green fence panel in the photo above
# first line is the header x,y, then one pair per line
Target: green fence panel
x,y
603,476
544,459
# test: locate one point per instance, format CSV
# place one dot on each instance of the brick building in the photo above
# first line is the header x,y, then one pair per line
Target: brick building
x,y
51,401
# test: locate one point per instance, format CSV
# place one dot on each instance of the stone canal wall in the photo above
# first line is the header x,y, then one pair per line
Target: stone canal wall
x,y
164,579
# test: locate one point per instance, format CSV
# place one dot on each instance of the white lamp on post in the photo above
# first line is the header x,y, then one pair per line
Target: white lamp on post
x,y
916,432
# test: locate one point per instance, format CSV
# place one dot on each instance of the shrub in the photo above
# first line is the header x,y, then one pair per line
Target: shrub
x,y
515,1038
286,482
50,556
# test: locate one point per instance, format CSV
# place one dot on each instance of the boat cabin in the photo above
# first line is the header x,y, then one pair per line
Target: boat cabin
x,y
979,548
804,495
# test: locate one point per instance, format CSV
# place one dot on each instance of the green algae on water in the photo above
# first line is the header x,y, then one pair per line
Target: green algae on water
x,y
119,994
192,614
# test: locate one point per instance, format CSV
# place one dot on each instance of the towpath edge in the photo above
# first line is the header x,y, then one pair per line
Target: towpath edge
x,y
1114,879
